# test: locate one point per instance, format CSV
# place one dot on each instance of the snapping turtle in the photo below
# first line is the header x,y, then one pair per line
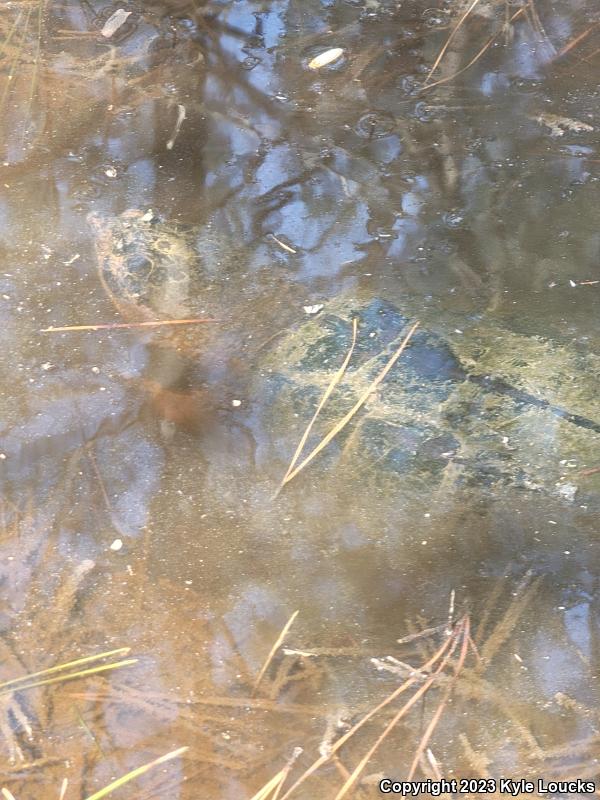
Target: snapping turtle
x,y
152,269
479,407
145,265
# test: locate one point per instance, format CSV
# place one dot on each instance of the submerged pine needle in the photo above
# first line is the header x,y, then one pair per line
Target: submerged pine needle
x,y
334,382
576,40
426,86
400,714
271,786
69,676
506,624
274,649
121,651
341,424
135,773
449,643
466,638
113,325
271,789
448,41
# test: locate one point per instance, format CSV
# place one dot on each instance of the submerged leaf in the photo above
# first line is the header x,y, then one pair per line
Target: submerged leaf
x,y
323,59
114,22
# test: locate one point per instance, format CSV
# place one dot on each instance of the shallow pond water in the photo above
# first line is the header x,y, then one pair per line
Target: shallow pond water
x,y
171,160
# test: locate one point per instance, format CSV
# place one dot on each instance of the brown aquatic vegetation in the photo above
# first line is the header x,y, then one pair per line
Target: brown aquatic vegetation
x,y
442,674
465,682
426,675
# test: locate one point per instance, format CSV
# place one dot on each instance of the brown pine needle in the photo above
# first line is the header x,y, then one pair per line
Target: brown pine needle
x,y
116,325
135,773
271,789
591,471
392,724
334,382
577,40
274,649
453,33
385,702
271,786
412,637
341,424
475,58
466,638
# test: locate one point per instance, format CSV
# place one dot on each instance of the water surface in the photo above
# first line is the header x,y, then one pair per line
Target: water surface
x,y
471,205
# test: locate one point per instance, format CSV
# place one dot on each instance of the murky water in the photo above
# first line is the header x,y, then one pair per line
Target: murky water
x,y
140,466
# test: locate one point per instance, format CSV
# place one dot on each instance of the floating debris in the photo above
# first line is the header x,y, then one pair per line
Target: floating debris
x,y
281,244
311,310
116,545
326,58
114,22
178,124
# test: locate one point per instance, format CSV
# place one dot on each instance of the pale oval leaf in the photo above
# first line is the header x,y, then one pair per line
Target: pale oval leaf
x,y
328,57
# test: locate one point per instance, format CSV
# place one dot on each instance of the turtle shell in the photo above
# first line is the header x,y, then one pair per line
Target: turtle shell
x,y
476,411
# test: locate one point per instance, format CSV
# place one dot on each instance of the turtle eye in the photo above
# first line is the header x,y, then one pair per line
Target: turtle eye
x,y
139,265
